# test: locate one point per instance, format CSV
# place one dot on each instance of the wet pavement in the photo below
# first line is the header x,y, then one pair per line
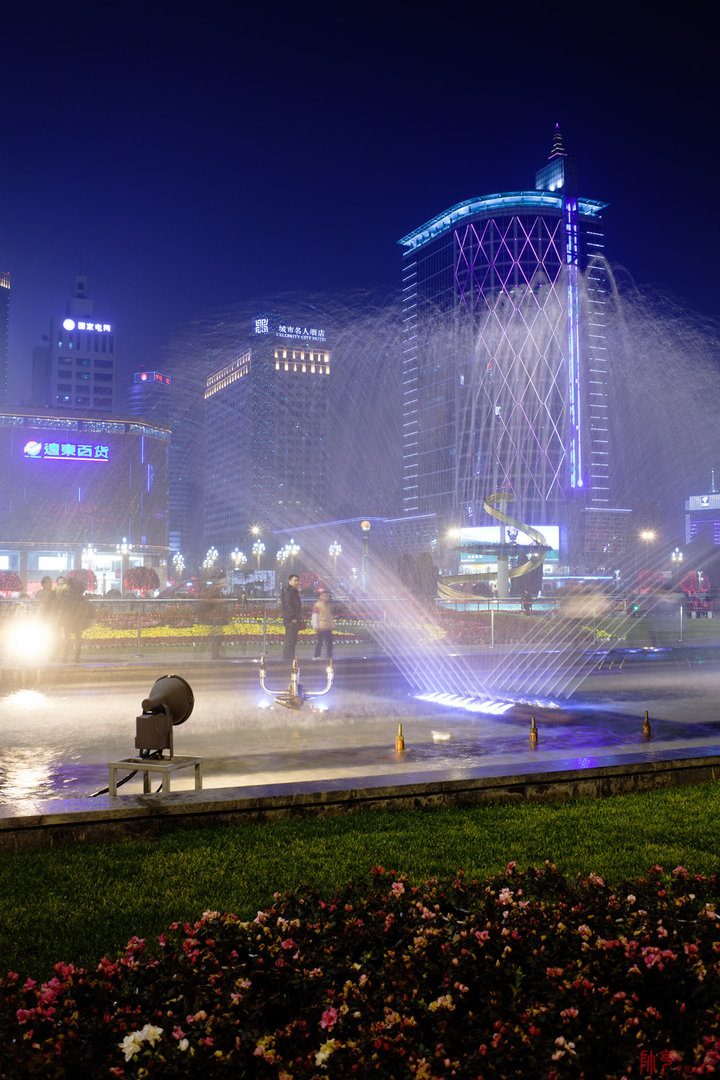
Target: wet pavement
x,y
62,727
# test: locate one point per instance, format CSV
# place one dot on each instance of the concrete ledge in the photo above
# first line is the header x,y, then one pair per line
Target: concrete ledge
x,y
107,819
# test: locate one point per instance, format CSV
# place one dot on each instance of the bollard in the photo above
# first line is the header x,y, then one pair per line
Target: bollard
x,y
399,740
533,732
647,733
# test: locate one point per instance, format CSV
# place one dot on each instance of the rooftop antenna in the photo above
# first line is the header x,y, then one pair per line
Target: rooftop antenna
x,y
713,489
558,150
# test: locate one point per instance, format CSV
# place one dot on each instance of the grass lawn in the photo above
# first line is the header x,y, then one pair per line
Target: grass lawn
x,y
80,902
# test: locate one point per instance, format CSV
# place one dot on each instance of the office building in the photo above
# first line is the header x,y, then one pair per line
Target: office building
x,y
266,432
74,487
78,369
505,376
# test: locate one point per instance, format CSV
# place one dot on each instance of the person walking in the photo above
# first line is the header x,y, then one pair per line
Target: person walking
x,y
291,614
322,616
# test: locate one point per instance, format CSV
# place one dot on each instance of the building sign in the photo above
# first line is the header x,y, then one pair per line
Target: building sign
x,y
286,330
70,324
65,451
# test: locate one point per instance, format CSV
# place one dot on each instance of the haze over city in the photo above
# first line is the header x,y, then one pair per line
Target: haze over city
x,y
187,159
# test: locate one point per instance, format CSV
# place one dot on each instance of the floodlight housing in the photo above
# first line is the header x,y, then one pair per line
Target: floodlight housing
x,y
169,703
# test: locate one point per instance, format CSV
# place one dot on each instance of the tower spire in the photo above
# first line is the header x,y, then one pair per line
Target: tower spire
x,y
558,150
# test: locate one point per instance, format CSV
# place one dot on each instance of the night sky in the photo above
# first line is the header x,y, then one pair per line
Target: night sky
x,y
188,157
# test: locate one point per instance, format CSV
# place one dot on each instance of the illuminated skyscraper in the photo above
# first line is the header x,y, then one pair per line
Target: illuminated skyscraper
x,y
505,366
266,432
79,369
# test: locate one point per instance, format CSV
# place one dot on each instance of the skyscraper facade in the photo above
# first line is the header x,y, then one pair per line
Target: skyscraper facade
x,y
266,432
505,381
78,370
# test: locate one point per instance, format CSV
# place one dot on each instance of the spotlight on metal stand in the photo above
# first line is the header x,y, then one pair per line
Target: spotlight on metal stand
x,y
169,702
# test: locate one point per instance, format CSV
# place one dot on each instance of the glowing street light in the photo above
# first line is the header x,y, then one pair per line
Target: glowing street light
x,y
178,564
282,555
258,550
334,550
677,556
239,558
292,550
647,536
211,558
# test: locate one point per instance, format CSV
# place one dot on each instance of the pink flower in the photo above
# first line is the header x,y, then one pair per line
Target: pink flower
x,y
398,888
329,1019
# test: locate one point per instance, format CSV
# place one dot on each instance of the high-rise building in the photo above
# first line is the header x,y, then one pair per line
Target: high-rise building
x,y
266,432
78,370
505,380
4,335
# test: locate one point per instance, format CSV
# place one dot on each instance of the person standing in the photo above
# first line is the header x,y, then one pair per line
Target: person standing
x,y
323,624
292,615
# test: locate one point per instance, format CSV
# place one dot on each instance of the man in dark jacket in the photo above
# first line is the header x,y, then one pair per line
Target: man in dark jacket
x,y
292,615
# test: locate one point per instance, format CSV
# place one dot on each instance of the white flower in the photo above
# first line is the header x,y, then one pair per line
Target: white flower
x,y
151,1034
325,1051
183,1044
132,1043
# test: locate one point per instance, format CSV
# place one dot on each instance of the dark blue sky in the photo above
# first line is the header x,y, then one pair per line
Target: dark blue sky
x,y
189,157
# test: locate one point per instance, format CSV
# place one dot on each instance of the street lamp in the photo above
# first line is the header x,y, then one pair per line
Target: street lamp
x,y
647,536
677,556
365,526
334,550
239,558
210,559
258,550
282,555
292,550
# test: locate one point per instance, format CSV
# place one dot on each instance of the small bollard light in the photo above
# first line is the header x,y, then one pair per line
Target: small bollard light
x,y
647,733
533,732
399,740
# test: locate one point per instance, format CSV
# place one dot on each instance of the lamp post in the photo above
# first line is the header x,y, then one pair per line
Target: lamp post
x,y
365,572
292,550
258,551
124,548
677,557
239,558
210,559
178,564
282,555
647,536
334,550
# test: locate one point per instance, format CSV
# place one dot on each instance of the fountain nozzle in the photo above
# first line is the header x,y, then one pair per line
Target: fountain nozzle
x,y
399,740
533,732
296,694
647,733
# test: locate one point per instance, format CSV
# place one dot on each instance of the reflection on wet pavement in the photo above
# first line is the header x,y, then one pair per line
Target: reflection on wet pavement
x,y
57,742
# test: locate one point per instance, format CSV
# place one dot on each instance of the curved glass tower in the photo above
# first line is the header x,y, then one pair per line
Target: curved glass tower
x,y
505,365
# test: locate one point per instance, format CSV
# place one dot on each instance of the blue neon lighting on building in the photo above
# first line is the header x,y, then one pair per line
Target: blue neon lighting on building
x,y
494,203
573,316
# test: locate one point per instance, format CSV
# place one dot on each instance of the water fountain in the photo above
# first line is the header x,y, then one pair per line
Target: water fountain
x,y
665,368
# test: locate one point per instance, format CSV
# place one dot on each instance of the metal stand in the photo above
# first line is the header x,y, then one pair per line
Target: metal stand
x,y
296,694
165,766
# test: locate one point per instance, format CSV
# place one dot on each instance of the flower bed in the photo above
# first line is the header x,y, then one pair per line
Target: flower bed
x,y
524,975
